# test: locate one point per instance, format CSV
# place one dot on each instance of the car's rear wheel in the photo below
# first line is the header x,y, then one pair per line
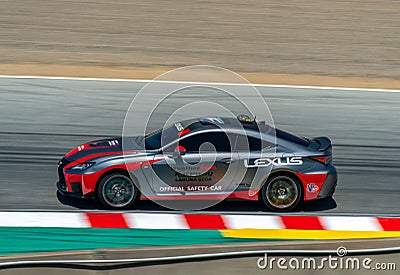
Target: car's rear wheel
x,y
281,192
117,191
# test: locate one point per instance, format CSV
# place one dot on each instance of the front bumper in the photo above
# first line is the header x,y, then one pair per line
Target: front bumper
x,y
72,189
61,188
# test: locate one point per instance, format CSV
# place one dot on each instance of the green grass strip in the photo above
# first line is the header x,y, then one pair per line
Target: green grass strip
x,y
17,240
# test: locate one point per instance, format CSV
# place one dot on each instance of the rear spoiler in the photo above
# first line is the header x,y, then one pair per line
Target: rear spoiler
x,y
320,144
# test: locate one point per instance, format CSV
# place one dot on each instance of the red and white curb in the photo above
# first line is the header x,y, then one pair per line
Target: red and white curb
x,y
196,221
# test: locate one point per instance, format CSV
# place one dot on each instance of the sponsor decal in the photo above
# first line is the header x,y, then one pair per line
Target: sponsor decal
x,y
190,188
179,127
113,142
199,174
265,162
207,168
312,188
194,176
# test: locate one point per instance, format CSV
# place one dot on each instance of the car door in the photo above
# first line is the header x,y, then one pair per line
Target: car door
x,y
202,161
251,151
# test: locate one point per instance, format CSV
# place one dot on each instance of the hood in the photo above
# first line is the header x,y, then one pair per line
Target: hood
x,y
103,147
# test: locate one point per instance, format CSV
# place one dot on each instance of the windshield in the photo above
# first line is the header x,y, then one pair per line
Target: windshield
x,y
152,140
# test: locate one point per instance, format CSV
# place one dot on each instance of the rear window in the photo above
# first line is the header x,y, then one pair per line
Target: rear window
x,y
291,137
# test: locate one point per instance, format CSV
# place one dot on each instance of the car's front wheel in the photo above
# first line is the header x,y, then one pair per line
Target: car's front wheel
x,y
281,192
117,191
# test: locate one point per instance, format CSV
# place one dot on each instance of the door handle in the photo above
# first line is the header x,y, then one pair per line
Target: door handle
x,y
226,160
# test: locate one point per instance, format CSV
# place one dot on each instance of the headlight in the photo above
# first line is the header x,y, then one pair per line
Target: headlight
x,y
83,166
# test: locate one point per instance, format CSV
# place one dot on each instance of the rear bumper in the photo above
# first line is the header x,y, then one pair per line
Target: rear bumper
x,y
319,184
329,186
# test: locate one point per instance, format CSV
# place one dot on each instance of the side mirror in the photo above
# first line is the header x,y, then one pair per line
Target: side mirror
x,y
179,151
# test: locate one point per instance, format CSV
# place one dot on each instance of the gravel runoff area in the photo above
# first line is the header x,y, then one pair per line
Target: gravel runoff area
x,y
285,42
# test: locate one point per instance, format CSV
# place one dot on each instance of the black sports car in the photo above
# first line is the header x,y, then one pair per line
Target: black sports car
x,y
201,159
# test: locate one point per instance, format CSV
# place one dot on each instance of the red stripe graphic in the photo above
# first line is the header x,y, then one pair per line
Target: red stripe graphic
x,y
184,132
302,222
390,224
104,220
195,221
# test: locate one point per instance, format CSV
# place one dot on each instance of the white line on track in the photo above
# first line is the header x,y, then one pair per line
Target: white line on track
x,y
203,83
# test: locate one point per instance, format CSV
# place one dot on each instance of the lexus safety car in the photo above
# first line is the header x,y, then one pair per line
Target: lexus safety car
x,y
278,168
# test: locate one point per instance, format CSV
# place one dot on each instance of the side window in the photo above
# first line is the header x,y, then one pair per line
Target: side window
x,y
254,144
219,140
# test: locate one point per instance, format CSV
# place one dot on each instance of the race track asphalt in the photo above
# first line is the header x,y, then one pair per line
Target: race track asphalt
x,y
42,119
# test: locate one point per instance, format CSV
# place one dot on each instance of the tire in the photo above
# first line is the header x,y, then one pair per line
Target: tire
x,y
117,191
281,192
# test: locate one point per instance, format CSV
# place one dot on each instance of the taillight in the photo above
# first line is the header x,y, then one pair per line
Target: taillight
x,y
322,159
